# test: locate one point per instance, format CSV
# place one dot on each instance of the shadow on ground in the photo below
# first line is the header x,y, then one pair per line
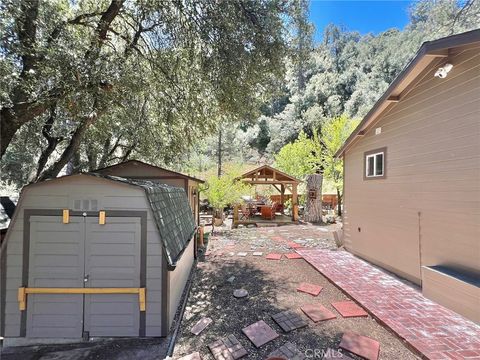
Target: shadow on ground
x,y
212,296
118,349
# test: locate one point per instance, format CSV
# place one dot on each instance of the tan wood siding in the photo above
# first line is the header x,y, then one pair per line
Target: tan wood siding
x,y
432,190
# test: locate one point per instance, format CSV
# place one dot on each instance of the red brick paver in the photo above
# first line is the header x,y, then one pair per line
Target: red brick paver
x,y
201,325
317,312
349,309
260,333
294,245
293,256
273,256
433,330
309,289
360,345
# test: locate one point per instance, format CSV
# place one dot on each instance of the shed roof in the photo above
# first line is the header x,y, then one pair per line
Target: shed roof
x,y
172,173
428,52
171,212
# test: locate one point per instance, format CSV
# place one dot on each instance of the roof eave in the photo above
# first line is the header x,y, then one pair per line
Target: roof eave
x,y
430,51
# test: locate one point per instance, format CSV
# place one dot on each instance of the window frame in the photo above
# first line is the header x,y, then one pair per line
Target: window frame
x,y
373,154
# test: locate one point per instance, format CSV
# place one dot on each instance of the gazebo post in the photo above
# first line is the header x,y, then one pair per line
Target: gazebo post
x,y
282,196
294,202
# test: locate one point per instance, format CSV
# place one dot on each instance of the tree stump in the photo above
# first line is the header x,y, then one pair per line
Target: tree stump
x,y
313,207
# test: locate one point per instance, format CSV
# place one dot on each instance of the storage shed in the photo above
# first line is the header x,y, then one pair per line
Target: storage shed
x,y
95,255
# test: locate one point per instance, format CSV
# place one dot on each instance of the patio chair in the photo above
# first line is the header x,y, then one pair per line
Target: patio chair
x,y
246,212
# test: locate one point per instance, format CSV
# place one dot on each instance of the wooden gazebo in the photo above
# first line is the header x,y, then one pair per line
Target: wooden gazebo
x,y
267,175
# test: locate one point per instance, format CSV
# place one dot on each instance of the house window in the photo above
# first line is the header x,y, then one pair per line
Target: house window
x,y
375,164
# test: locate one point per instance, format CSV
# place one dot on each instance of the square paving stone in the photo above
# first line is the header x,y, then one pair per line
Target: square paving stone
x,y
331,354
228,348
257,253
360,345
242,254
318,312
294,245
201,325
293,256
310,289
289,320
273,256
349,309
287,351
192,356
260,333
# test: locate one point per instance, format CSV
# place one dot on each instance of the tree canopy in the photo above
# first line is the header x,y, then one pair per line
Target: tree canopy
x,y
93,82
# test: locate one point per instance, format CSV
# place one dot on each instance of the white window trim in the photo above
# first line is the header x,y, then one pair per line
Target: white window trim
x,y
374,155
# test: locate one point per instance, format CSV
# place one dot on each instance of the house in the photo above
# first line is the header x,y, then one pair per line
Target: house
x,y
95,255
412,175
135,169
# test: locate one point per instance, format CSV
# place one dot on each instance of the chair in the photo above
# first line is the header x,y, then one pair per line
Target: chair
x,y
246,212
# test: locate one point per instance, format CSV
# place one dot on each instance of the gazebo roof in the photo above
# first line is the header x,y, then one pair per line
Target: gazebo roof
x,y
268,175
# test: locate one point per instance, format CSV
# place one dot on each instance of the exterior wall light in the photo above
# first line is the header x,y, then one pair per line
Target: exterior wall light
x,y
443,71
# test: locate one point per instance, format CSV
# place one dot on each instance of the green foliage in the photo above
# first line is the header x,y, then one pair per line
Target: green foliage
x,y
301,157
157,77
334,133
226,190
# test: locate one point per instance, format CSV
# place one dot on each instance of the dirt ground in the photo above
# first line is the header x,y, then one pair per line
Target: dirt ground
x,y
271,285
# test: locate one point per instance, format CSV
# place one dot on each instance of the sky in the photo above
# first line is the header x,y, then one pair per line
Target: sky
x,y
362,16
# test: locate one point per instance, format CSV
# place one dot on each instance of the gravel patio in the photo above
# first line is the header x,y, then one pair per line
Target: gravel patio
x,y
230,264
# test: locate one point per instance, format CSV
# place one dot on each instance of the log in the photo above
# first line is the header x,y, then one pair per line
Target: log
x,y
313,204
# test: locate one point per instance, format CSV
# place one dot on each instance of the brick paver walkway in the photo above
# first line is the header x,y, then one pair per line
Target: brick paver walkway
x,y
431,329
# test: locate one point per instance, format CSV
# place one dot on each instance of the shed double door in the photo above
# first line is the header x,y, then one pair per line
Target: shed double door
x,y
81,254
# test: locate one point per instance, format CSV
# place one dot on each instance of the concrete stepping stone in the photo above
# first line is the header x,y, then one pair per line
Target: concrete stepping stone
x,y
309,288
201,325
349,309
287,351
242,253
331,354
289,320
231,279
257,253
192,356
293,256
360,345
260,333
273,256
227,348
318,312
240,293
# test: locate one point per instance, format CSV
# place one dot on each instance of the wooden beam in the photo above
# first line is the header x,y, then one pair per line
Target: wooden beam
x,y
268,182
23,291
275,186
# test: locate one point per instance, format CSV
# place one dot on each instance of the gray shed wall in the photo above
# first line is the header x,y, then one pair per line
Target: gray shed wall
x,y
59,194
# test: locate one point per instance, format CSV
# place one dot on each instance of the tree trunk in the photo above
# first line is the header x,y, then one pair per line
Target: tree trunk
x,y
71,149
339,203
219,169
313,208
